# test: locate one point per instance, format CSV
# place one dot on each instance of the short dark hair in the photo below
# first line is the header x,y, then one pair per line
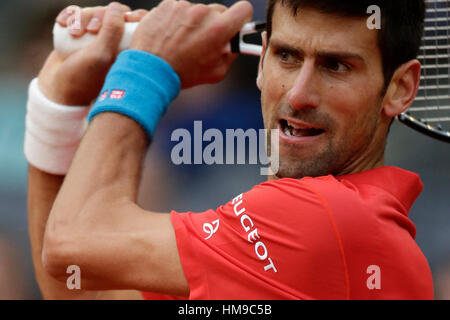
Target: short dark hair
x,y
402,24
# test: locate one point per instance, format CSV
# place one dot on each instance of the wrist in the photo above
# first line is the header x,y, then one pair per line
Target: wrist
x,y
59,93
140,86
122,131
71,83
48,85
53,131
51,92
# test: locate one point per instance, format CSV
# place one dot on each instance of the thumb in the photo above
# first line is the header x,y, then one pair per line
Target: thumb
x,y
236,16
111,31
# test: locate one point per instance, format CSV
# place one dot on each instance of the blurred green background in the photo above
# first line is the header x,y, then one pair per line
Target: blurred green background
x,y
234,103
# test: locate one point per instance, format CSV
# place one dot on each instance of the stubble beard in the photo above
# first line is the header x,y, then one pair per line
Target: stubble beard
x,y
337,153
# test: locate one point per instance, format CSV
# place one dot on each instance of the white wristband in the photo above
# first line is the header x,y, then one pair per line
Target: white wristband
x,y
53,132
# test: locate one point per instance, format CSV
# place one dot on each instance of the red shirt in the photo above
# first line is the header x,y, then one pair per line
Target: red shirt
x,y
346,237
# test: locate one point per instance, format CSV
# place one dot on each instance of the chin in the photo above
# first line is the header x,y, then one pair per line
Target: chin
x,y
298,169
294,172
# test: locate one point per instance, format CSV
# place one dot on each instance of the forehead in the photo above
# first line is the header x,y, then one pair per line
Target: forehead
x,y
313,31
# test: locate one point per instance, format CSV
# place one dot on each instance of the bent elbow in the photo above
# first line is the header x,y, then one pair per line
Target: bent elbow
x,y
56,255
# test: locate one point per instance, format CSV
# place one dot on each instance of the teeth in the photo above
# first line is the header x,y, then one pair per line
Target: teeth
x,y
288,131
293,130
294,126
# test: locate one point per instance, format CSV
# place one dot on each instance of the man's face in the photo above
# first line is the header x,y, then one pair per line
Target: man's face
x,y
321,82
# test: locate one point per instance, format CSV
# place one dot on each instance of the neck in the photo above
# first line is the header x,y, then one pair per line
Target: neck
x,y
371,158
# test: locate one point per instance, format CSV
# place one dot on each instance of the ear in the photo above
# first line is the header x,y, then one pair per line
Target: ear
x,y
402,89
259,79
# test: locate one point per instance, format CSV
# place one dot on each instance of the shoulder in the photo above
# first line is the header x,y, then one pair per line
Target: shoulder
x,y
286,205
290,186
290,193
324,205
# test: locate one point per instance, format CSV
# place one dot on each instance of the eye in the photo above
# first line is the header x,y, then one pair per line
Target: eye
x,y
286,56
336,66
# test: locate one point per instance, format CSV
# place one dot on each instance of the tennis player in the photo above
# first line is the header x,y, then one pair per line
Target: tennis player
x,y
332,224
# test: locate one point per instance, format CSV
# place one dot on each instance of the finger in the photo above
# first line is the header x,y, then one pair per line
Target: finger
x,y
110,34
135,16
218,7
236,16
62,17
166,4
73,21
71,11
126,8
221,70
95,23
228,59
72,17
84,17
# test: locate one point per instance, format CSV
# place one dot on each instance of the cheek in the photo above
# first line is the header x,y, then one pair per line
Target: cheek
x,y
272,94
354,115
274,91
357,104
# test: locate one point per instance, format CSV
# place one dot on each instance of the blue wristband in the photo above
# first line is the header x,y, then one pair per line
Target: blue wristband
x,y
140,86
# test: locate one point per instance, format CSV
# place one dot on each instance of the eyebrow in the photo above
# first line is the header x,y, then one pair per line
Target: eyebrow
x,y
338,55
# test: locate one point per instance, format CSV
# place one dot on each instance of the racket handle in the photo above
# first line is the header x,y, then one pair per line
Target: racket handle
x,y
65,44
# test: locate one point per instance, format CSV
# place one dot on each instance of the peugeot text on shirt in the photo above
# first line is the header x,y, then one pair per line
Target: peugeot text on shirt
x,y
247,224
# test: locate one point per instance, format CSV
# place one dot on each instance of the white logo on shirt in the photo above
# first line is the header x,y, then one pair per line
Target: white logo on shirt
x,y
374,281
252,236
210,229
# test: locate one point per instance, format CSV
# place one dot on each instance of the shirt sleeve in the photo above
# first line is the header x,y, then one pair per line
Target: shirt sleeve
x,y
272,242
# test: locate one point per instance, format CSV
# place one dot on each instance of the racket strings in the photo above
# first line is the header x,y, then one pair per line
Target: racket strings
x,y
432,104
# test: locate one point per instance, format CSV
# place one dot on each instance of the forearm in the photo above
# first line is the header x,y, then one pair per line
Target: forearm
x,y
107,166
48,148
68,81
95,222
90,212
42,191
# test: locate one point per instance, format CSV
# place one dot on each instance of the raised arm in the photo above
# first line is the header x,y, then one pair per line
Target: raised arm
x,y
95,222
75,81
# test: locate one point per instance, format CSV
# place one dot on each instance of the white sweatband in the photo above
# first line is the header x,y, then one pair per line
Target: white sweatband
x,y
53,132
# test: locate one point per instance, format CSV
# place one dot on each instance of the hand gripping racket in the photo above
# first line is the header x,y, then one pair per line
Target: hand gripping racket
x,y
65,44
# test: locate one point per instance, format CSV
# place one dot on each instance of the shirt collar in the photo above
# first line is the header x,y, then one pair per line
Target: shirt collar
x,y
404,185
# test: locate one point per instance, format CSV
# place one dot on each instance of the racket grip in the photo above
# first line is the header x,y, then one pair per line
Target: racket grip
x,y
65,44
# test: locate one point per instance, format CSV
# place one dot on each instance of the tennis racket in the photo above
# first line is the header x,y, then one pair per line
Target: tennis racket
x,y
430,112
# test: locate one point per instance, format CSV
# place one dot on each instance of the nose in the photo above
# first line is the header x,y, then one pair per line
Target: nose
x,y
304,92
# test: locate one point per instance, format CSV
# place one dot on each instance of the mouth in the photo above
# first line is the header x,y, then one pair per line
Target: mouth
x,y
294,130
